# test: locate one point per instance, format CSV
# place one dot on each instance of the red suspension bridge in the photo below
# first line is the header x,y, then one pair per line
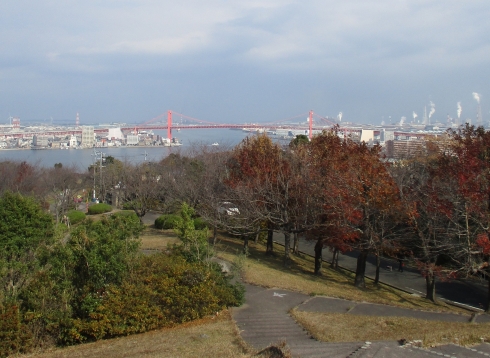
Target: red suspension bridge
x,y
312,122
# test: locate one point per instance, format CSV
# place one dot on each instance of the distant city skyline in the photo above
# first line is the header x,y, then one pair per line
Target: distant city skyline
x,y
233,62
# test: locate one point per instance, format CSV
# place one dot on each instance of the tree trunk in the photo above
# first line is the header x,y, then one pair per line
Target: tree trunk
x,y
245,244
430,282
295,243
318,257
378,264
487,309
215,235
287,247
361,269
257,236
270,242
335,259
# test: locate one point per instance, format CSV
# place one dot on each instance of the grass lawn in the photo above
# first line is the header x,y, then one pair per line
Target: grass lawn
x,y
156,239
337,327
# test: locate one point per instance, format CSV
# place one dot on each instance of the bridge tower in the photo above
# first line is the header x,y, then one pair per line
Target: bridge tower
x,y
169,125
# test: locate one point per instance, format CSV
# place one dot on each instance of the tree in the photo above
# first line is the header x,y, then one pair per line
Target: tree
x,y
194,242
20,177
25,229
102,253
424,197
464,171
62,185
272,180
300,139
142,188
331,206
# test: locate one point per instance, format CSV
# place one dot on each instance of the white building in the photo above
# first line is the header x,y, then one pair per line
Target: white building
x,y
132,139
73,142
88,136
115,133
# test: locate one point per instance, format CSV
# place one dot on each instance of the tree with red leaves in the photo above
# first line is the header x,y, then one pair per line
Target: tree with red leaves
x,y
357,195
272,184
465,171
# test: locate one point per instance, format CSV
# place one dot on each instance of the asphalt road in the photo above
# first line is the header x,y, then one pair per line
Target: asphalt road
x,y
467,292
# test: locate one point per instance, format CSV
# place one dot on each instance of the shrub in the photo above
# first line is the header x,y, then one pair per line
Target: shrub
x,y
14,335
127,205
166,222
163,291
125,213
99,209
199,224
75,216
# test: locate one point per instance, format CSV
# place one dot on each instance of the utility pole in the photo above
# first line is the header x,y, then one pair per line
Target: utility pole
x,y
101,182
100,157
95,161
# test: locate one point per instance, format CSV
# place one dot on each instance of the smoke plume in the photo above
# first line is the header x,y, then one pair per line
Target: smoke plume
x,y
460,109
432,109
340,116
476,96
415,115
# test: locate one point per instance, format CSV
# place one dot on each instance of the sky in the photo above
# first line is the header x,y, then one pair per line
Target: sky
x,y
229,61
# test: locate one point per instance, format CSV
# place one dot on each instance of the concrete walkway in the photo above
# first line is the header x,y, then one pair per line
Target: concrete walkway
x,y
264,320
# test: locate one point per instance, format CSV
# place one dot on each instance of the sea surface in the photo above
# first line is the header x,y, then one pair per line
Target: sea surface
x,y
83,158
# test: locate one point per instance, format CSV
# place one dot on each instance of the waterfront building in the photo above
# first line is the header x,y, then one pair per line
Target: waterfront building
x,y
40,142
132,139
73,142
88,136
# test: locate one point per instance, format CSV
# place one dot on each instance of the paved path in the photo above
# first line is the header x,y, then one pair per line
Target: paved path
x,y
264,320
467,292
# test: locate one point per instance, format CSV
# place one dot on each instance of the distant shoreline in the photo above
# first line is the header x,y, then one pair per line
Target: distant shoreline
x,y
97,148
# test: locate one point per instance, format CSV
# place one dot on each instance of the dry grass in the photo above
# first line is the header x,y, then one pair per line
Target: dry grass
x,y
269,272
156,239
336,327
209,337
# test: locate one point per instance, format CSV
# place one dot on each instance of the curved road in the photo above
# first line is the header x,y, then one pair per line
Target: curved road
x,y
468,292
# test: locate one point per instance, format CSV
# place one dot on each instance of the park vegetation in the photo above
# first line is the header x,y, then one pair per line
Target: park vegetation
x,y
75,285
61,286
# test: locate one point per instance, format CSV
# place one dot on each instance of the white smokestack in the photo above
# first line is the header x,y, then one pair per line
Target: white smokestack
x,y
340,116
460,109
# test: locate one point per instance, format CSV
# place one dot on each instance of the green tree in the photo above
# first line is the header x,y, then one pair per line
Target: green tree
x,y
299,140
194,242
25,229
103,253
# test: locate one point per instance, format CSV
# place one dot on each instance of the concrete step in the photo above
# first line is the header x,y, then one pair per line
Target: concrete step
x,y
391,349
317,349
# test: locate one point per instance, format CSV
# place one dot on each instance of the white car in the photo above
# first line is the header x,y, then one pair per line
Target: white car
x,y
228,208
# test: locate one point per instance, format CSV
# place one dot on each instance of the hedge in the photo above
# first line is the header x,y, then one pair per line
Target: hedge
x,y
99,209
125,213
199,224
167,221
75,216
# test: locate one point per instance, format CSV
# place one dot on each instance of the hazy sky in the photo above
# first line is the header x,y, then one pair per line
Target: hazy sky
x,y
242,61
